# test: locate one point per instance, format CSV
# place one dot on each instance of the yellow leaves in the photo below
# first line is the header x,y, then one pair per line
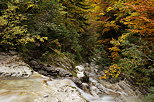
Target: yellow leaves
x,y
114,49
115,42
18,30
3,21
103,41
109,25
101,14
115,55
16,1
123,37
25,40
109,9
97,8
28,38
112,22
106,30
30,5
103,77
45,38
41,39
11,7
135,14
113,72
97,1
38,37
14,32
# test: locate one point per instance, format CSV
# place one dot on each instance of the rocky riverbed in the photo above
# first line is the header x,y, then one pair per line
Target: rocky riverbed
x,y
20,83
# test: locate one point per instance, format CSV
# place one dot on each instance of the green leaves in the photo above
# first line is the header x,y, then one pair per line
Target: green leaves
x,y
13,32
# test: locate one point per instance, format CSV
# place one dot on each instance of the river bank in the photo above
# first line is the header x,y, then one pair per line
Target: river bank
x,y
19,82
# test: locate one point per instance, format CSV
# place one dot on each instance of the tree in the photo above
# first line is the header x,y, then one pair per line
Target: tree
x,y
126,31
12,32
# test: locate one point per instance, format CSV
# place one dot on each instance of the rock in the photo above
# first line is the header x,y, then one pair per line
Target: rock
x,y
43,72
39,89
36,88
120,91
56,71
81,74
63,72
85,78
13,52
49,70
80,71
80,68
77,82
33,63
85,87
11,65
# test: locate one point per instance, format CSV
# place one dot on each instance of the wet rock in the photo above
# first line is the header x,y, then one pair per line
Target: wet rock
x,y
33,63
85,87
80,71
13,52
49,70
63,72
77,82
11,65
120,91
85,78
43,72
39,89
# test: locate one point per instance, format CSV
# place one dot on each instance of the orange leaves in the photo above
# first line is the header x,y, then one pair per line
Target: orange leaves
x,y
141,25
115,55
142,5
115,49
126,33
143,21
97,1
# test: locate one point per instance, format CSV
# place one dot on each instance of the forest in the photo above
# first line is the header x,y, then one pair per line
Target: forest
x,y
117,34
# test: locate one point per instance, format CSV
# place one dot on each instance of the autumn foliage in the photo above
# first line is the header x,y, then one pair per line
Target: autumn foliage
x,y
126,31
117,34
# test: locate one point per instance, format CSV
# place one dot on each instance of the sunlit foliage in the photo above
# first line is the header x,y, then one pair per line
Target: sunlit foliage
x,y
13,32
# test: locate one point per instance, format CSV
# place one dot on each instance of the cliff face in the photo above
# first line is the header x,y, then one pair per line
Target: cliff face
x,y
20,83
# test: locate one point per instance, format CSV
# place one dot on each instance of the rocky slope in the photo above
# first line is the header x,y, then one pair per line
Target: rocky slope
x,y
11,65
19,83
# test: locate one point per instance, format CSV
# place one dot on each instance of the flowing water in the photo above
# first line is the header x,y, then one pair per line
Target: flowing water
x,y
21,90
38,89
